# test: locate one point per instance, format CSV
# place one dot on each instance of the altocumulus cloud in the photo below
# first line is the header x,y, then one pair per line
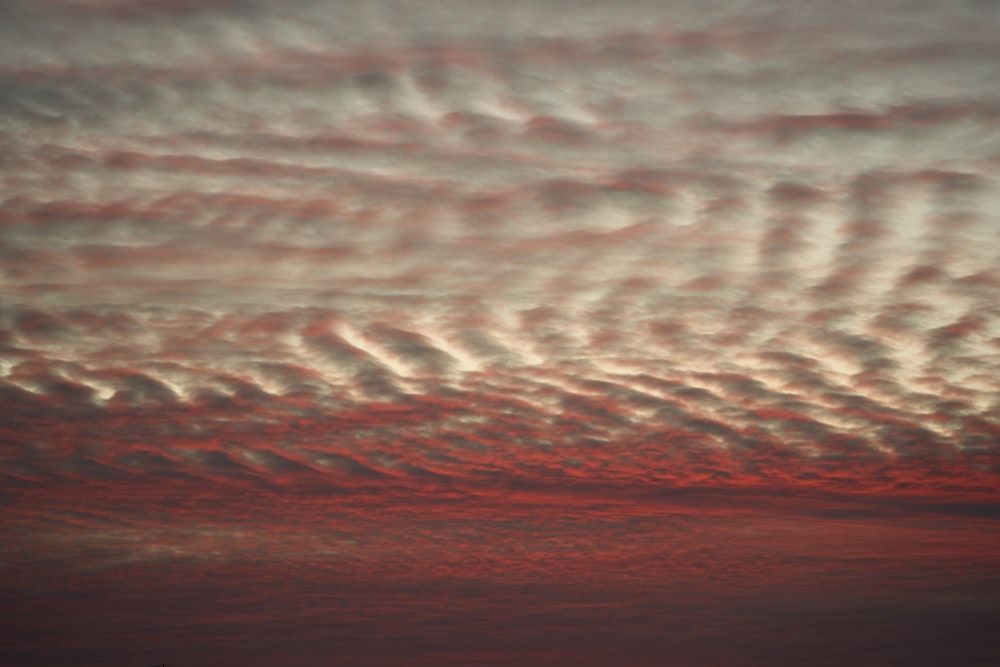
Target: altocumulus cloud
x,y
460,333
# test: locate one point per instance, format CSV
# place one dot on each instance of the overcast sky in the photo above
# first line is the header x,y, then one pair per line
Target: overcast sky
x,y
455,332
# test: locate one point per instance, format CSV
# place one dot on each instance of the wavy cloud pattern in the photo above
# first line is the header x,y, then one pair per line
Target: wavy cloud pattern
x,y
550,333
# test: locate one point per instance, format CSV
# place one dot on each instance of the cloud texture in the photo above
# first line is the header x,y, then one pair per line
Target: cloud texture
x,y
543,333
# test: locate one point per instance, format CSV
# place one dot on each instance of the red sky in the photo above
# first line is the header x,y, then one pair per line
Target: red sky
x,y
459,333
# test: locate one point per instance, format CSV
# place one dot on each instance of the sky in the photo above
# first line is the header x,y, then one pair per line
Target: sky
x,y
465,333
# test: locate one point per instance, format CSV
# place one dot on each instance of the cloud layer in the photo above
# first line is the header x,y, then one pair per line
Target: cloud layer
x,y
463,335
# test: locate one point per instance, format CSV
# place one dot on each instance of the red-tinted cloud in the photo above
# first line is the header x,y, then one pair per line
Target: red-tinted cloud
x,y
620,334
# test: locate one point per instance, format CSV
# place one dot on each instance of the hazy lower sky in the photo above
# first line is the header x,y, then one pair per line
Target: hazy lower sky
x,y
461,333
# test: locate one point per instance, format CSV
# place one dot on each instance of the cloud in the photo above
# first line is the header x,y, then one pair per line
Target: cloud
x,y
463,333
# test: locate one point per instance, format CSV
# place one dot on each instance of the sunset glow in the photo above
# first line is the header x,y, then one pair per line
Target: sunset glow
x,y
538,333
